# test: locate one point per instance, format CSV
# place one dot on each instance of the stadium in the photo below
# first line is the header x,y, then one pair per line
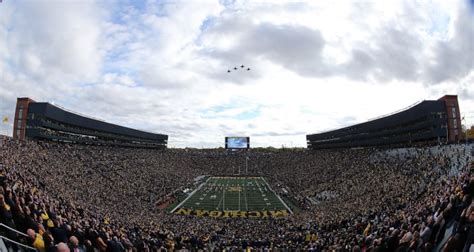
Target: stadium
x,y
236,125
402,181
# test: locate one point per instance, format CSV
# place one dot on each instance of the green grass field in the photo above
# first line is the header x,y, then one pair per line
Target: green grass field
x,y
233,197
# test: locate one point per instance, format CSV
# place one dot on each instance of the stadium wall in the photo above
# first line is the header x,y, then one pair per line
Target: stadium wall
x,y
43,120
430,121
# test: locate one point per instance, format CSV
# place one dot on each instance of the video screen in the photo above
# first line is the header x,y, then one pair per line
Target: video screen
x,y
237,142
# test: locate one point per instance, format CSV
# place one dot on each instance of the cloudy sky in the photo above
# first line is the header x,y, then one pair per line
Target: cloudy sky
x,y
161,66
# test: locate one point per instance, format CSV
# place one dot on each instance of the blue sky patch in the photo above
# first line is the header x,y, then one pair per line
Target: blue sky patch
x,y
220,112
249,114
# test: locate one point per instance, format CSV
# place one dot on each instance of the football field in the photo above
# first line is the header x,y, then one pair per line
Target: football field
x,y
233,197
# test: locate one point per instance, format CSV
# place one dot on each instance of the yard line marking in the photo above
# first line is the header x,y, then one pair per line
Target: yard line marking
x,y
278,196
258,185
239,200
246,204
223,200
220,201
190,195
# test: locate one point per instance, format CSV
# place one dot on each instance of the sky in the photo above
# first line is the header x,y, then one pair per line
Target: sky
x,y
162,66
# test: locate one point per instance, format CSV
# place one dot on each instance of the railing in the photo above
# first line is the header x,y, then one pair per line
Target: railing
x,y
12,241
395,112
17,243
374,119
76,113
12,229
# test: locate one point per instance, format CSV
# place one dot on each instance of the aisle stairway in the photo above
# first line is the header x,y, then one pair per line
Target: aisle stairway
x,y
466,164
463,162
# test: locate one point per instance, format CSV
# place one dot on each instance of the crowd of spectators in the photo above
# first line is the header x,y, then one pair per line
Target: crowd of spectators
x,y
98,198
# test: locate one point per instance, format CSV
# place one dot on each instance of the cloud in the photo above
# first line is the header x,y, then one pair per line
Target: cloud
x,y
63,42
233,41
413,47
379,43
454,58
394,55
162,66
281,133
297,48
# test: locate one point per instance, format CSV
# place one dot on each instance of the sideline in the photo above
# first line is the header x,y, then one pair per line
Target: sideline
x,y
190,195
278,196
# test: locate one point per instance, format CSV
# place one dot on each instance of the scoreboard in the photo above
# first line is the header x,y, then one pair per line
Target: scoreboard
x,y
237,142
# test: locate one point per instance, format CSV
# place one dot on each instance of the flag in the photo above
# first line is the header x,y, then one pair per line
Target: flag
x,y
367,229
470,133
5,119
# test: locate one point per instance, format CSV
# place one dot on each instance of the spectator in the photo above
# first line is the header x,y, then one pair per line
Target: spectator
x,y
103,198
36,240
62,247
74,245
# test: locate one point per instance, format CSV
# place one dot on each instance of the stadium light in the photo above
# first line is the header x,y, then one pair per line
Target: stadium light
x,y
247,165
463,118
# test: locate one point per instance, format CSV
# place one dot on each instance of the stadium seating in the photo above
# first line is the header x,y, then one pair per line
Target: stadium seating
x,y
104,198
